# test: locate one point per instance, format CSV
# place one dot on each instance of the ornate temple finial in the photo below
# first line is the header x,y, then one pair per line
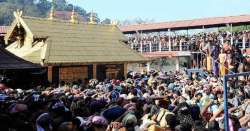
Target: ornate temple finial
x,y
52,10
114,22
92,18
74,18
18,14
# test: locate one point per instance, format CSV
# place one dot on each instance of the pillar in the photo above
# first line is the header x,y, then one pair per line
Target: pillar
x,y
160,46
148,66
222,40
125,71
55,74
232,39
180,45
169,40
94,71
244,42
49,71
141,47
231,34
177,64
150,47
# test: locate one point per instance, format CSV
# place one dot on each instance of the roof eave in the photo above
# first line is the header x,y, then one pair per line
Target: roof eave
x,y
90,63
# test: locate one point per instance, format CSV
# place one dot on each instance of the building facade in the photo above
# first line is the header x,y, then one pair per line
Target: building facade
x,y
71,50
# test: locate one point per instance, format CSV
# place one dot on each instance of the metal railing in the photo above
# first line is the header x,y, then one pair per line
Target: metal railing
x,y
158,47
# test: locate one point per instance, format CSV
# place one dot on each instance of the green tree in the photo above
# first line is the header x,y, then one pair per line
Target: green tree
x,y
36,8
60,5
106,21
44,6
6,13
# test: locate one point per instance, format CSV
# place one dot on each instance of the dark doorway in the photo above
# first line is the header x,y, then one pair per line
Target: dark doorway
x,y
110,71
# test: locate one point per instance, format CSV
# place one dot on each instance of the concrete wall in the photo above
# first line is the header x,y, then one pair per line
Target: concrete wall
x,y
163,64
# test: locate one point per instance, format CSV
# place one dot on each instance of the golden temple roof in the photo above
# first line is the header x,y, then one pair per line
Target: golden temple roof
x,y
77,43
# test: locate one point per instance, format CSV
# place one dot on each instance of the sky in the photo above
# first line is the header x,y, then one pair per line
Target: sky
x,y
164,10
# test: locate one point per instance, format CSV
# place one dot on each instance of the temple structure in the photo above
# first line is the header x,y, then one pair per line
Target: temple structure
x,y
71,50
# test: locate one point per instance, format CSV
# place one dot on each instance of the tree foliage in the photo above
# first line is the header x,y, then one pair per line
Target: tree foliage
x,y
106,21
135,21
36,8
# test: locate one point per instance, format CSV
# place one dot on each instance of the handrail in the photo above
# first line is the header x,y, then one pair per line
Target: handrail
x,y
165,47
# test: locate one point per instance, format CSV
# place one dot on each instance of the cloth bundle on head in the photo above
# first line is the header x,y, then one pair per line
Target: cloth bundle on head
x,y
99,120
129,120
93,82
19,91
101,87
57,105
145,79
130,107
116,82
129,80
114,95
118,88
90,92
97,105
36,98
124,96
113,113
162,76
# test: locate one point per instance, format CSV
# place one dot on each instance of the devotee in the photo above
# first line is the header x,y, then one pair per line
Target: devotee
x,y
154,101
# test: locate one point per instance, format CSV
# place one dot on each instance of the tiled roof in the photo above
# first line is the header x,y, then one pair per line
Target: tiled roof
x,y
195,23
10,61
81,43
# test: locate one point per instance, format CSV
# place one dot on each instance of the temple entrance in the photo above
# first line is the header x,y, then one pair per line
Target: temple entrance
x,y
110,71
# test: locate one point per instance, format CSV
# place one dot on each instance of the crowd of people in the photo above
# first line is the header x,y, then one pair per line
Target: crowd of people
x,y
193,42
220,52
153,101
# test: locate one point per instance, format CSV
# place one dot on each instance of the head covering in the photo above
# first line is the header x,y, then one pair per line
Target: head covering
x,y
124,96
90,92
81,121
113,113
130,107
35,97
19,91
118,89
114,95
97,105
129,119
57,105
99,120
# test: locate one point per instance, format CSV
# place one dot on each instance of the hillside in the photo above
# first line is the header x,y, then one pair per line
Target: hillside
x,y
36,8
